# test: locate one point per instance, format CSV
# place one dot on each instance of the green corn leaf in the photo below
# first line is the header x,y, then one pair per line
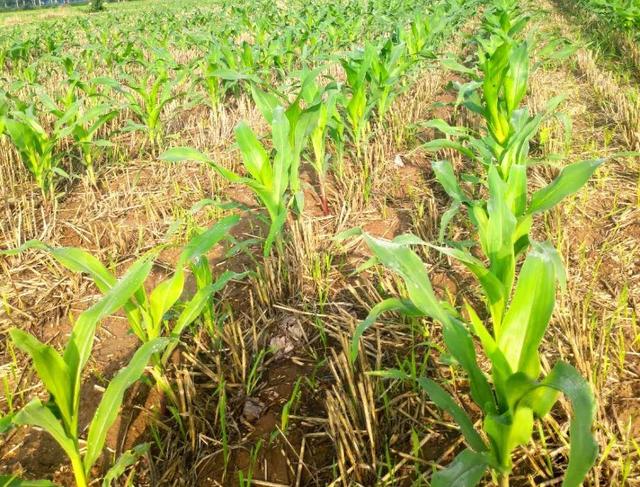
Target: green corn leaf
x,y
189,314
522,233
196,304
266,102
202,243
178,154
519,386
125,460
74,259
439,144
403,261
445,128
583,448
283,171
515,81
11,481
52,370
570,180
164,296
495,71
460,345
447,178
444,401
80,343
499,365
278,220
466,470
6,423
493,288
453,65
447,216
528,315
516,193
112,398
37,414
254,155
508,431
391,304
78,260
497,236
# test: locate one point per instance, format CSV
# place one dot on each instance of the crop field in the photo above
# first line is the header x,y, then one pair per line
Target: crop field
x,y
320,243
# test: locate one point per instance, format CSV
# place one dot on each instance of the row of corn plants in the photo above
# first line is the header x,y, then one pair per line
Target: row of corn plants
x,y
322,115
158,317
51,131
518,276
623,15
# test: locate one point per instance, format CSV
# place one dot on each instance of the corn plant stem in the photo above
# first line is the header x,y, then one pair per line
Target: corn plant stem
x,y
323,194
280,244
91,173
504,480
163,384
78,471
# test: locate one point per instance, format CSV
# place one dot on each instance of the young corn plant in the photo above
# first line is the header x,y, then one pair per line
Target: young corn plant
x,y
318,137
36,146
82,120
386,71
213,84
302,115
358,103
496,96
422,30
519,303
269,176
504,149
148,312
5,106
61,374
147,98
518,393
87,121
337,134
221,73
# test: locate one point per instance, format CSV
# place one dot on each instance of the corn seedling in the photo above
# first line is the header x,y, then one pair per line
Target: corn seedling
x,y
86,124
36,146
358,103
318,137
386,71
422,30
147,312
338,135
220,75
302,115
82,122
517,395
269,175
61,375
519,304
147,97
504,153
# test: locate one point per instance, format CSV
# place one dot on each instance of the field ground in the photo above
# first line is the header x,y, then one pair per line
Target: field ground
x,y
284,334
12,18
